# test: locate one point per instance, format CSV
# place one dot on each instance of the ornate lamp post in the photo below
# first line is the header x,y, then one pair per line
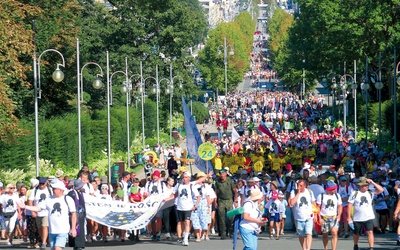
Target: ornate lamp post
x,y
170,90
231,53
97,84
57,76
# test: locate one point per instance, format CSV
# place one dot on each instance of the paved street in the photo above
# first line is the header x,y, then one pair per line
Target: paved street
x,y
287,241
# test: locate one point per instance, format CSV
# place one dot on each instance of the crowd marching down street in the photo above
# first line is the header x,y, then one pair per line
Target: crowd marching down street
x,y
287,161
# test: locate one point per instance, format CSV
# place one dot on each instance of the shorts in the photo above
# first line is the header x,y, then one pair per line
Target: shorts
x,y
304,227
359,225
184,215
383,212
274,218
159,215
345,214
328,225
58,240
42,221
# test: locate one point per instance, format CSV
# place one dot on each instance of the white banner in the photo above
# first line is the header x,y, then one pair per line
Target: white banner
x,y
121,215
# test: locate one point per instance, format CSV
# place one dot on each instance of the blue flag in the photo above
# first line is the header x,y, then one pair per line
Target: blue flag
x,y
193,139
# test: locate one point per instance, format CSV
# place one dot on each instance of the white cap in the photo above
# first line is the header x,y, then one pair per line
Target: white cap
x,y
227,169
1,184
34,182
58,184
256,179
306,165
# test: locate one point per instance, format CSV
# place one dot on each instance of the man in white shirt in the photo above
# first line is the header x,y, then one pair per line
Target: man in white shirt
x,y
185,193
301,200
364,215
60,209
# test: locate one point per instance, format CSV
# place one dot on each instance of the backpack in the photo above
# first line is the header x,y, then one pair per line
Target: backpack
x,y
77,227
369,191
48,189
162,186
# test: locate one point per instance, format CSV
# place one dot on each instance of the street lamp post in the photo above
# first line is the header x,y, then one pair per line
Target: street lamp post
x,y
231,53
125,89
57,76
171,92
155,90
334,86
343,83
97,84
396,80
365,88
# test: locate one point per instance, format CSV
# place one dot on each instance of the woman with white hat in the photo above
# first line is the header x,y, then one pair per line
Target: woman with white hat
x,y
251,220
10,210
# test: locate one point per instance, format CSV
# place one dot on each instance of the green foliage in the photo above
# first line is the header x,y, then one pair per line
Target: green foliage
x,y
239,36
200,112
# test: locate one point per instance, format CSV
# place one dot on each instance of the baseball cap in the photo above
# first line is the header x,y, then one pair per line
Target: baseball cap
x,y
330,185
223,170
343,178
58,184
42,180
256,179
34,182
156,173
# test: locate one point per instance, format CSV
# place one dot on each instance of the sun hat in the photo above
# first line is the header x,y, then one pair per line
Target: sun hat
x,y
34,182
330,186
78,184
201,174
59,173
256,179
274,183
255,194
362,182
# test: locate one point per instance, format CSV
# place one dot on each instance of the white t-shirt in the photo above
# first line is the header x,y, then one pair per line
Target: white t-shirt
x,y
251,208
39,196
275,207
154,187
9,202
302,209
186,194
363,207
88,188
58,212
329,204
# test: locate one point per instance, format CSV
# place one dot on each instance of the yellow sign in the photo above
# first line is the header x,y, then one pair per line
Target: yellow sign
x,y
207,151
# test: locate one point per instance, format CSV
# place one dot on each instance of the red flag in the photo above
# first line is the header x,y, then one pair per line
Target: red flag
x,y
266,131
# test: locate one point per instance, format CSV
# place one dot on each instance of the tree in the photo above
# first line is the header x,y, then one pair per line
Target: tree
x,y
15,43
211,58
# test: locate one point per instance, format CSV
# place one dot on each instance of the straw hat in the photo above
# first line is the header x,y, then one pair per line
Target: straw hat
x,y
255,194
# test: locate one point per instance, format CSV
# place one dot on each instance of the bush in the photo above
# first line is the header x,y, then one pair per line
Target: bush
x,y
200,112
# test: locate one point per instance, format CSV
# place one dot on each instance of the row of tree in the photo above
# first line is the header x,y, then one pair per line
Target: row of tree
x,y
326,36
156,32
239,39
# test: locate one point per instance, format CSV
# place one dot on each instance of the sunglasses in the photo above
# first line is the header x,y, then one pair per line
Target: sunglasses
x,y
12,188
104,188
